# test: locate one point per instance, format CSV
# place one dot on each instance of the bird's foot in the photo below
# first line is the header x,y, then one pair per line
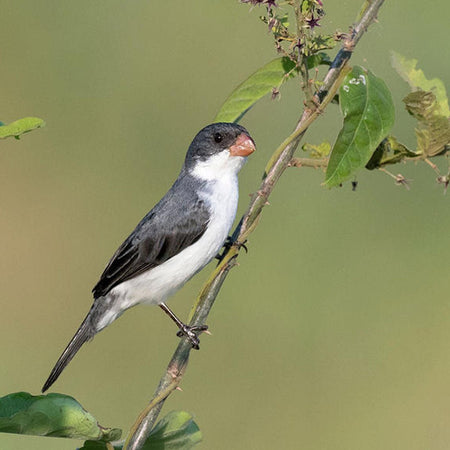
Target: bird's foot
x,y
189,332
228,244
240,245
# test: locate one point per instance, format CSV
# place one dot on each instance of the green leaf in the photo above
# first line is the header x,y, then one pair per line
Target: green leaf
x,y
20,126
176,431
50,415
368,111
390,151
318,59
284,20
406,68
264,81
428,104
433,130
321,42
100,445
317,151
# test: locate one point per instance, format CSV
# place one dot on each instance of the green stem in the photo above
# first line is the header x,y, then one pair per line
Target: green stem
x,y
315,163
303,34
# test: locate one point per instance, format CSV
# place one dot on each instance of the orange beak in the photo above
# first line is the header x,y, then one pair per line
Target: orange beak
x,y
243,146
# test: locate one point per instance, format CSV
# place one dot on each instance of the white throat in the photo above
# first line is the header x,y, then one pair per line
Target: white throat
x,y
218,166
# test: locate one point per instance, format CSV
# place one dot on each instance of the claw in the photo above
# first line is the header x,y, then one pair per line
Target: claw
x,y
242,245
189,332
228,244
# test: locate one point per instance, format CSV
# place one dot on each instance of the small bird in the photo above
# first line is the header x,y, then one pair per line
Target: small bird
x,y
175,240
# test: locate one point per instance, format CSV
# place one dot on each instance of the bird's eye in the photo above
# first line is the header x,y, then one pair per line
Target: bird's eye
x,y
218,137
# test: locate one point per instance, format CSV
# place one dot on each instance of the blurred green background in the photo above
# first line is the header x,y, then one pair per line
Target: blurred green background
x,y
333,332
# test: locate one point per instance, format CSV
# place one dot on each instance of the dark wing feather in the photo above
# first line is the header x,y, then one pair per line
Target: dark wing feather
x,y
169,228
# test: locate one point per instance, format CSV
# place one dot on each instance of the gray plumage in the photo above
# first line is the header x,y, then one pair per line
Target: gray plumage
x,y
180,235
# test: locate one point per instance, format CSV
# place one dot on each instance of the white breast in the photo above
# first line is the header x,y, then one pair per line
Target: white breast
x,y
156,285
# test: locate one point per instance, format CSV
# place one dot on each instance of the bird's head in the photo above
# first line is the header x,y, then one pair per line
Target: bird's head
x,y
218,150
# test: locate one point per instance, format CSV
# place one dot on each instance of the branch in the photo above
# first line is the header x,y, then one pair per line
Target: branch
x,y
277,164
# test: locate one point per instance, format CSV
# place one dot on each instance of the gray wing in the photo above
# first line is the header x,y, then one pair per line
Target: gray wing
x,y
170,227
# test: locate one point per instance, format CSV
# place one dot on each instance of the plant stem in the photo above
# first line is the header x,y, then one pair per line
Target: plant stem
x,y
302,65
315,163
277,164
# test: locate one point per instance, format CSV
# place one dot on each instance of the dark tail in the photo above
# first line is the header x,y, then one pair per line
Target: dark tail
x,y
84,333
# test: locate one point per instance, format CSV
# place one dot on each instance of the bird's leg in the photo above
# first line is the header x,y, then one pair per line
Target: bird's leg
x,y
185,330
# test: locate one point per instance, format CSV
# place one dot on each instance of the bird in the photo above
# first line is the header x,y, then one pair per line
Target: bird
x,y
180,235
